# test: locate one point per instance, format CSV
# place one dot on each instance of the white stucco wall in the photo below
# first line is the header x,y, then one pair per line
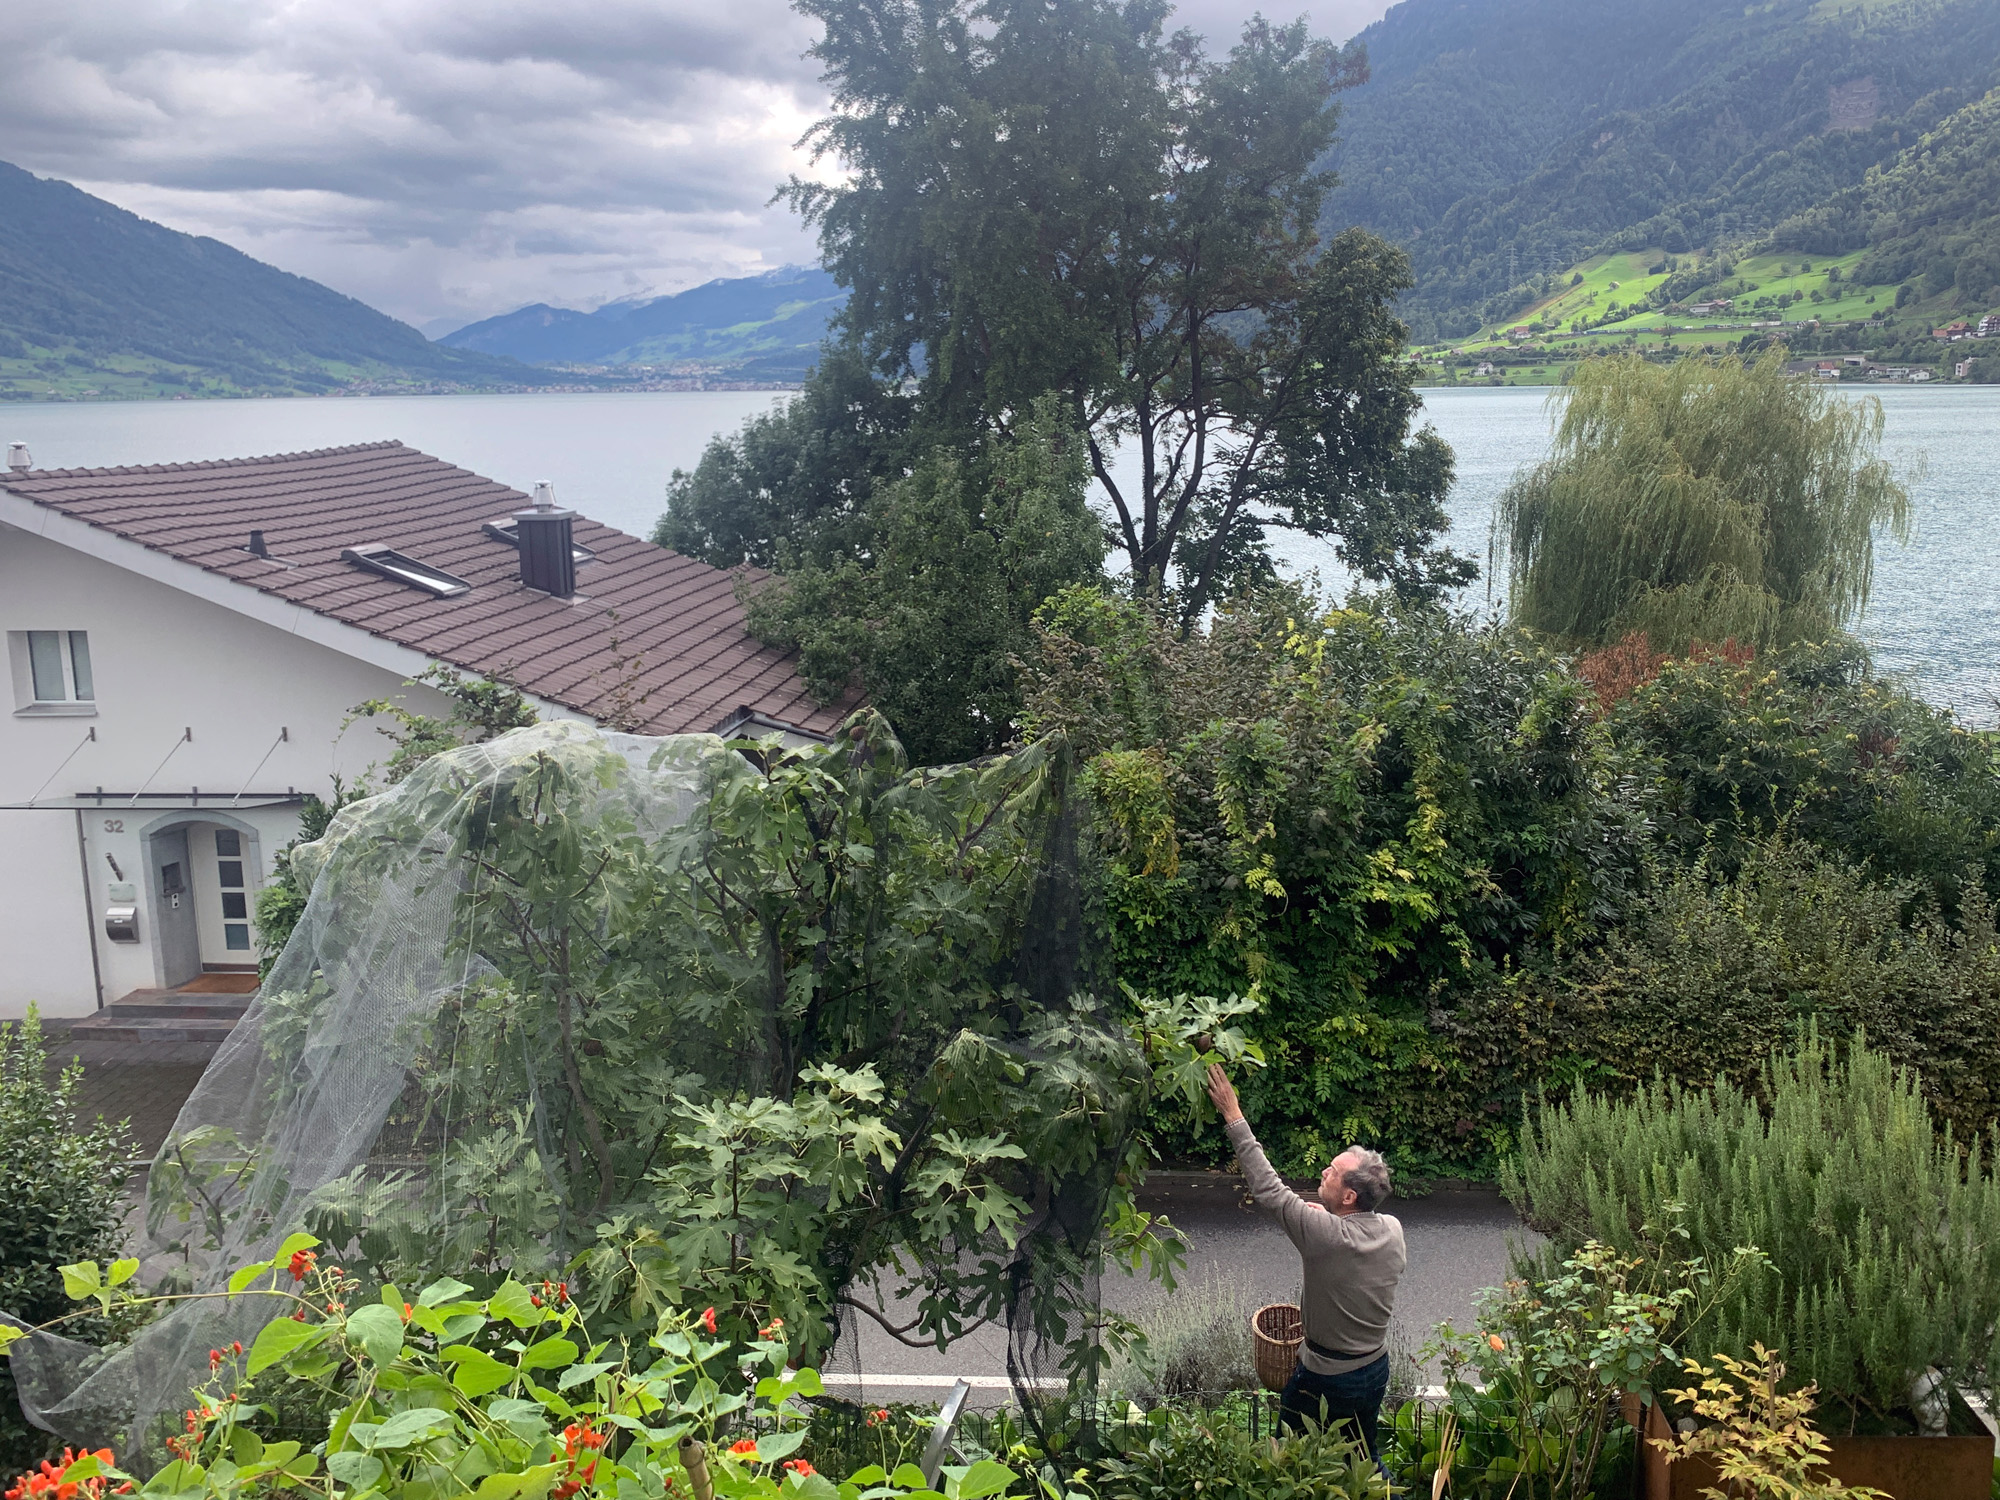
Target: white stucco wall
x,y
45,935
165,662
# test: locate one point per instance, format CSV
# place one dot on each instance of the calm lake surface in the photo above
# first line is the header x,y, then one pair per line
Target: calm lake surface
x,y
1935,612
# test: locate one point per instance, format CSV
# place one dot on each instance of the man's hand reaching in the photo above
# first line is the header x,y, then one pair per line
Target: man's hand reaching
x,y
1224,1094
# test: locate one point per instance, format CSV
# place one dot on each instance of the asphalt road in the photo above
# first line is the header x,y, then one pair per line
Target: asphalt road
x,y
1459,1241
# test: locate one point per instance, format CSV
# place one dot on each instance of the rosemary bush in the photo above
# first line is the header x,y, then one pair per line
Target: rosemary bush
x,y
1882,1234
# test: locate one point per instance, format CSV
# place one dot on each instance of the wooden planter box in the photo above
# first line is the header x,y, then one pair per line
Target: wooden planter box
x,y
1908,1468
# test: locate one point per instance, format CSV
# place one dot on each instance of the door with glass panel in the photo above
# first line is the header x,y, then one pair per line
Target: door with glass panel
x,y
226,894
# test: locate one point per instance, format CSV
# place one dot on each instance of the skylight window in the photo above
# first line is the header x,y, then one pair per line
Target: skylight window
x,y
506,530
390,563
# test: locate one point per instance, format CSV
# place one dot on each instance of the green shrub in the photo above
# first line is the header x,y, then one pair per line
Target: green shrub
x,y
1184,1456
62,1199
1534,1395
1883,1239
1716,973
1814,744
1354,809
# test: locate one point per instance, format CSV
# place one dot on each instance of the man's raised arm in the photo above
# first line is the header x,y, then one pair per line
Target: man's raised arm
x,y
1267,1188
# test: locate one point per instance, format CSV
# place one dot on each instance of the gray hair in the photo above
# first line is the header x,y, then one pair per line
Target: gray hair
x,y
1367,1179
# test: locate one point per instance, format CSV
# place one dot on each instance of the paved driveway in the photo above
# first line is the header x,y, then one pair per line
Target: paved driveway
x,y
1459,1240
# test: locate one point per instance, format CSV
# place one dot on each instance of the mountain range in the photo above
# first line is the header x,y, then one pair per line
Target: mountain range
x,y
96,300
1539,158
764,327
1507,141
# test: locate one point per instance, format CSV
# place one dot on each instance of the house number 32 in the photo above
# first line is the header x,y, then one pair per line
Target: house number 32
x,y
114,825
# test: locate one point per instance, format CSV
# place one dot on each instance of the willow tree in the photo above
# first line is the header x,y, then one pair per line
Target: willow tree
x,y
1704,500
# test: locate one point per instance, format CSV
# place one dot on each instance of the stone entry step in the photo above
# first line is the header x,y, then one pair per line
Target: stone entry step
x,y
182,1025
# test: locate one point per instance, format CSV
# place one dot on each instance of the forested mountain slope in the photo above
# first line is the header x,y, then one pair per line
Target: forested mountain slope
x,y
1503,140
1932,218
97,300
761,327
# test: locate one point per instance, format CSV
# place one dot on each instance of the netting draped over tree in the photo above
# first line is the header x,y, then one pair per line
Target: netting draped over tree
x,y
688,1025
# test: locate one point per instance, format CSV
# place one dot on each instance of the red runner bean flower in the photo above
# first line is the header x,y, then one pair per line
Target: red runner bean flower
x,y
47,1483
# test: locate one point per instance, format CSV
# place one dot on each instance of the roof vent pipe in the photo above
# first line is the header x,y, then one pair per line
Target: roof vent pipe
x,y
257,547
17,458
548,562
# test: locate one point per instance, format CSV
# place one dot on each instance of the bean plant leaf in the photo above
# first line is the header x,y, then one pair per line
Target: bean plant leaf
x,y
515,1303
378,1330
355,1469
446,1290
985,1478
773,1446
577,1374
408,1427
549,1354
279,1338
478,1373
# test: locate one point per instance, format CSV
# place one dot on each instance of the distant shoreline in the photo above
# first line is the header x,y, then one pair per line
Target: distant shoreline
x,y
643,388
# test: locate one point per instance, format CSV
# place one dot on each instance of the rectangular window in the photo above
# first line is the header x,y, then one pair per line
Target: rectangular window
x,y
229,844
59,666
45,661
236,935
79,666
233,905
229,872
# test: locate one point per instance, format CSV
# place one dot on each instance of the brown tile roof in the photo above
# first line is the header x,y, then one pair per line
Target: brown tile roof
x,y
645,622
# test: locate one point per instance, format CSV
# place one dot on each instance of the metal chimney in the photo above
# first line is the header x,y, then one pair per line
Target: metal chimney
x,y
548,561
18,459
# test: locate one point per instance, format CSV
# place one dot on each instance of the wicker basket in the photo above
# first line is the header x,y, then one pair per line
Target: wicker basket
x,y
1276,1331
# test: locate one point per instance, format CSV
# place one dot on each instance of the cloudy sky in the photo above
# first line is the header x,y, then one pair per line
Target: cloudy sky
x,y
446,160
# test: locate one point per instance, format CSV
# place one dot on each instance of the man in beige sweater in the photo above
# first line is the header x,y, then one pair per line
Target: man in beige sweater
x,y
1353,1259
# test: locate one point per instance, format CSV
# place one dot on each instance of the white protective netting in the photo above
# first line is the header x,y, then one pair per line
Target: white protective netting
x,y
518,965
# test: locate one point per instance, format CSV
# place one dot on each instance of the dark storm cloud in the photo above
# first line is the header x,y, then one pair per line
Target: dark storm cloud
x,y
444,159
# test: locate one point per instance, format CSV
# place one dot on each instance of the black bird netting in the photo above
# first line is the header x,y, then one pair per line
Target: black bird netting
x,y
687,1025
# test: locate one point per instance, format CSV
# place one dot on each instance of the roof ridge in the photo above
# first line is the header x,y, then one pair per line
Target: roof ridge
x,y
681,631
219,463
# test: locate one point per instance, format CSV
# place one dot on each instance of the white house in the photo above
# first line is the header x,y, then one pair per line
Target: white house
x,y
185,642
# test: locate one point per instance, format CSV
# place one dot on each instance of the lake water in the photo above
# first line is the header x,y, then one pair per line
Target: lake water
x,y
1935,612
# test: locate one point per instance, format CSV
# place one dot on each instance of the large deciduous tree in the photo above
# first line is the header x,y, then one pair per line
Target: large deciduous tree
x,y
933,611
1057,195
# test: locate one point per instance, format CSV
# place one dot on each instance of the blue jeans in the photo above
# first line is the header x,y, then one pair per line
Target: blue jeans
x,y
1354,1399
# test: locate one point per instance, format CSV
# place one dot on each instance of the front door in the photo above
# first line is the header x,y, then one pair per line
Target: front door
x,y
173,905
223,893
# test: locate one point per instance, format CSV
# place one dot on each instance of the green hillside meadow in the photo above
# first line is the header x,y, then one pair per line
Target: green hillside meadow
x,y
1513,145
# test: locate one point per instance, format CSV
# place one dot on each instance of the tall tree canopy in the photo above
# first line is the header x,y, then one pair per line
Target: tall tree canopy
x,y
1699,501
1057,195
935,603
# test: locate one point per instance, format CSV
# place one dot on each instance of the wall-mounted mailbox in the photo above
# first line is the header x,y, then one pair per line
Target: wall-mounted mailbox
x,y
121,924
